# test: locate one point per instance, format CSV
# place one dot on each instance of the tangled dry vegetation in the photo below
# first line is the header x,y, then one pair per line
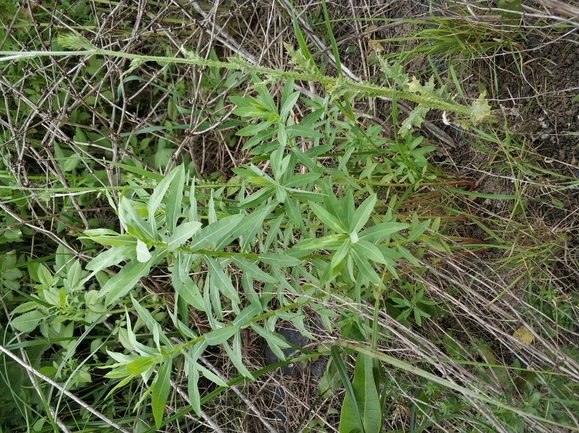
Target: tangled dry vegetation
x,y
488,301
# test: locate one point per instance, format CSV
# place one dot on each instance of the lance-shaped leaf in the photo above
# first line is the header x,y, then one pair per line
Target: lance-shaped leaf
x,y
379,232
141,365
367,400
362,214
133,223
221,335
182,282
236,357
193,383
109,237
127,278
364,268
160,391
341,210
182,234
370,251
213,234
111,257
159,193
175,198
149,320
221,280
279,259
252,270
327,218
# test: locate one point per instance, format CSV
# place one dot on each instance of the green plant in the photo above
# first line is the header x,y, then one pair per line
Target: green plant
x,y
416,304
180,224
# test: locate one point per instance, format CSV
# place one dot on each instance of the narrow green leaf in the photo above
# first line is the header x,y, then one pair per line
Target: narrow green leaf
x,y
328,219
288,99
379,232
333,43
304,131
370,251
212,376
132,221
279,259
253,270
362,214
340,257
342,209
109,237
403,252
175,198
211,212
183,284
182,234
280,194
211,235
416,230
221,335
193,384
126,279
274,341
192,214
265,99
250,226
157,196
222,281
236,357
160,392
140,365
149,320
365,269
435,225
241,101
346,208
138,170
246,315
258,197
256,130
250,293
115,241
293,210
301,180
305,52
329,242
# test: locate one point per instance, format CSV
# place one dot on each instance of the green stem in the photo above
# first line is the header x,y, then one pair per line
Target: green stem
x,y
337,85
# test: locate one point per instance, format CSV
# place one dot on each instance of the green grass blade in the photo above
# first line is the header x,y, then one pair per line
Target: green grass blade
x,y
302,42
335,352
160,392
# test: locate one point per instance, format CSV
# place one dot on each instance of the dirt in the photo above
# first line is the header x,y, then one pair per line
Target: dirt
x,y
535,95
